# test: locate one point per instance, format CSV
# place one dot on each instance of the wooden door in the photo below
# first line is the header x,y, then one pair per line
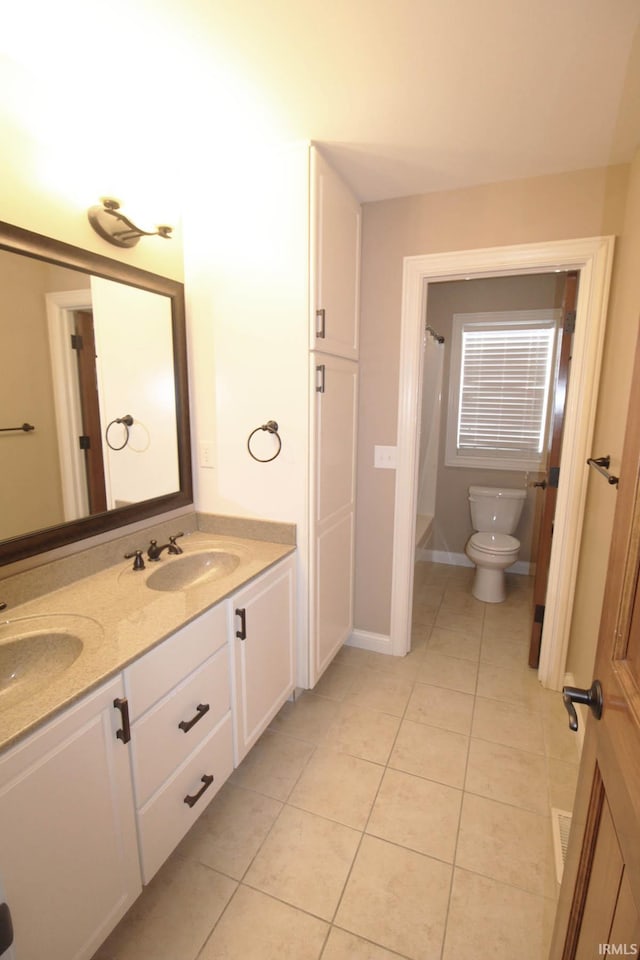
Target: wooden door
x,y
84,344
550,484
599,907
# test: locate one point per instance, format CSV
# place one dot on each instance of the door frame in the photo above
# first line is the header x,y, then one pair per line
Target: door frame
x,y
60,309
592,257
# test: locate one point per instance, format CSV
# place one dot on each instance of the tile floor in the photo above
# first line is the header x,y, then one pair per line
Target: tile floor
x,y
400,810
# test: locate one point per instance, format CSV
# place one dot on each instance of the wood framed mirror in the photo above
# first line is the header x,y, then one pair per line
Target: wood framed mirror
x,y
94,406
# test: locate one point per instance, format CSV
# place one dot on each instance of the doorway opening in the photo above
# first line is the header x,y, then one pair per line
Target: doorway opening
x,y
592,258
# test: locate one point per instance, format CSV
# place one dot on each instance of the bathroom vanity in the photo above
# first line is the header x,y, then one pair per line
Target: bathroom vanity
x,y
105,768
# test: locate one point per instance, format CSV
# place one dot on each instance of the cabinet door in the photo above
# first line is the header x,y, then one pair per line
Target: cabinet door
x,y
335,262
334,423
262,624
68,848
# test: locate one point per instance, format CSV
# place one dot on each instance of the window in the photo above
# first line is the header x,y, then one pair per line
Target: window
x,y
499,389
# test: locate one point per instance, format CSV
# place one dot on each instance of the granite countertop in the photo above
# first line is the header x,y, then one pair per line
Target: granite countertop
x,y
118,618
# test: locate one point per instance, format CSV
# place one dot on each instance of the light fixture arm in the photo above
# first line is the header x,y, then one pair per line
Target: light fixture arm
x,y
114,227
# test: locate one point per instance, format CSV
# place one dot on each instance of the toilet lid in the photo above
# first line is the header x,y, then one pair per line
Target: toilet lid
x,y
495,542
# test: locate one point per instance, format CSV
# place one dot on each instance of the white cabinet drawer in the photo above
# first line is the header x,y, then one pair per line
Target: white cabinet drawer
x,y
150,677
159,744
166,818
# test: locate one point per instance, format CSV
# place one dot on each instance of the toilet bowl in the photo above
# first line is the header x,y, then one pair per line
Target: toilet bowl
x,y
495,512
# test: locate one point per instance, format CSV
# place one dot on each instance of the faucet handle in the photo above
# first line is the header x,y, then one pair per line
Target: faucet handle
x,y
138,562
173,546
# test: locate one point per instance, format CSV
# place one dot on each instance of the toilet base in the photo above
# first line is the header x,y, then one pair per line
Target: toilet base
x,y
489,585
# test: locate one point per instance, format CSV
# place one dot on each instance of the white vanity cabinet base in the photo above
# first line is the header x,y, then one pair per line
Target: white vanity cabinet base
x,y
165,819
264,661
68,851
158,744
165,688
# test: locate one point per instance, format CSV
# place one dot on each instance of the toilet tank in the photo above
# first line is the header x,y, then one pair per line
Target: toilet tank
x,y
496,509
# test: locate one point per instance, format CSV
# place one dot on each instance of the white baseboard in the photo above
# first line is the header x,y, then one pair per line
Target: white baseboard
x,y
445,556
462,560
365,640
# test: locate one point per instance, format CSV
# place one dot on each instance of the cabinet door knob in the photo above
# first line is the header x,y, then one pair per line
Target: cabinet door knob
x,y
320,324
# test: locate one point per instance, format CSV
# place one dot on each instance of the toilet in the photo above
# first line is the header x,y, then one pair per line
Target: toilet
x,y
495,512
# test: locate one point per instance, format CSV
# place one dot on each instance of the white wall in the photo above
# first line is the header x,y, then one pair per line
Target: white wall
x,y
135,373
246,265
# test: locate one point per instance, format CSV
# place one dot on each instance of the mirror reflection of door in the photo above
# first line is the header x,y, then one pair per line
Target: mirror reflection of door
x,y
84,345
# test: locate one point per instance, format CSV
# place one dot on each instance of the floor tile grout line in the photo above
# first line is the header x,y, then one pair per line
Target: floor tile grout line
x,y
241,882
455,848
373,803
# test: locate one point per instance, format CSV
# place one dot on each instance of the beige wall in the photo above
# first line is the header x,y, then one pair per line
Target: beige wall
x,y
622,330
452,522
580,204
30,486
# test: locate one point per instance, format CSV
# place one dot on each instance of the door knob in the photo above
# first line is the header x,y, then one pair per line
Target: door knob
x,y
592,698
540,483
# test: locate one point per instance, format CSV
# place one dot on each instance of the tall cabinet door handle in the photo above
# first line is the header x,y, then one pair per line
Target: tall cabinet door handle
x,y
320,374
241,634
320,325
122,704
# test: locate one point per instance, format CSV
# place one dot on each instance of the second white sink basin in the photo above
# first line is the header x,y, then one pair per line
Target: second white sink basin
x,y
178,573
34,651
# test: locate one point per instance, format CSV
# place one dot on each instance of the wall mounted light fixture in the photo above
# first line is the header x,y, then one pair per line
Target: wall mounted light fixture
x,y
114,227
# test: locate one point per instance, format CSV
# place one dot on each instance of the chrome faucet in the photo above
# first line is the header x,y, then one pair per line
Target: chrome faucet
x,y
154,551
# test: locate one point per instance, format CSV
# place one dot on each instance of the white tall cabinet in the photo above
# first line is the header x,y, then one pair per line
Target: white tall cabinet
x,y
272,273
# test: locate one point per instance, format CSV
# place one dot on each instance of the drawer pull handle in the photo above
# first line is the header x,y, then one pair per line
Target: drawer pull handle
x,y
121,704
241,634
207,780
201,709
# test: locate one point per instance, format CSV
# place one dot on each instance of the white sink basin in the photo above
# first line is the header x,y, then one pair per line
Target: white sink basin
x,y
189,569
34,651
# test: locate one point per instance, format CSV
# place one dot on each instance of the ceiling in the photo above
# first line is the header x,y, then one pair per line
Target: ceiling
x,y
407,96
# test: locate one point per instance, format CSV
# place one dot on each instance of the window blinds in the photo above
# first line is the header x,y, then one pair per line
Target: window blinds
x,y
503,389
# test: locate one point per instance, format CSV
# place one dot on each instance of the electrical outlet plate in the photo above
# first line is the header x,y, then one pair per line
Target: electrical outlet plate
x,y
385,458
207,450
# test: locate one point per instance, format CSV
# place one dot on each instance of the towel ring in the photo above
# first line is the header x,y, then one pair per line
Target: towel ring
x,y
126,421
271,427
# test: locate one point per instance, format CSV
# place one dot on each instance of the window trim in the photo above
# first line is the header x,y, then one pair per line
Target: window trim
x,y
489,320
